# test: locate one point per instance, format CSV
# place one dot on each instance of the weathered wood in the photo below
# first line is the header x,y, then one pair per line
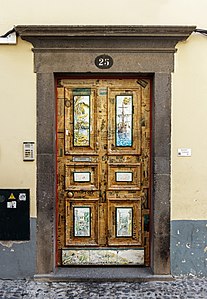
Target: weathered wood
x,y
103,185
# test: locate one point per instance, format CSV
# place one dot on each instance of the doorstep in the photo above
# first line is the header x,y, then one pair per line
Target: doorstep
x,y
103,274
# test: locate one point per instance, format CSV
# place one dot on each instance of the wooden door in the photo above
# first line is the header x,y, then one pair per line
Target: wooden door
x,y
103,168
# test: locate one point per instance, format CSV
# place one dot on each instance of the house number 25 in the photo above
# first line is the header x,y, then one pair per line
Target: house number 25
x,y
104,61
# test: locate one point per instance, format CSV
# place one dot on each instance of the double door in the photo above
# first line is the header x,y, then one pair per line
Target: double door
x,y
103,171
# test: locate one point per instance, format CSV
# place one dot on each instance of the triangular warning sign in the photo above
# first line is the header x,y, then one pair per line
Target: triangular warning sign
x,y
12,196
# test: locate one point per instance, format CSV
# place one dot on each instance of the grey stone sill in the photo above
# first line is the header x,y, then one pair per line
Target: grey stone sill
x,y
102,274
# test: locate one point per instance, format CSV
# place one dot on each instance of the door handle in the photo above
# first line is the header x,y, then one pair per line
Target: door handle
x,y
70,194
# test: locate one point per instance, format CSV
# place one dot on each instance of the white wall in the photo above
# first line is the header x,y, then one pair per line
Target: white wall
x,y
148,12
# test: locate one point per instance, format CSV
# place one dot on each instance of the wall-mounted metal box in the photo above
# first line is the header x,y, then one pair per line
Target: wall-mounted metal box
x,y
14,214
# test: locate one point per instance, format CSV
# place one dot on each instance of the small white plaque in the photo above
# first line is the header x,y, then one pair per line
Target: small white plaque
x,y
184,152
11,205
82,159
123,176
82,176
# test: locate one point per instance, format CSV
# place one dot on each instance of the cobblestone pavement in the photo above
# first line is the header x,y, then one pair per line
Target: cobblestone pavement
x,y
179,288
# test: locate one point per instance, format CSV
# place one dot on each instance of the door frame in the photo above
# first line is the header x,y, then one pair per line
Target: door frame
x,y
140,50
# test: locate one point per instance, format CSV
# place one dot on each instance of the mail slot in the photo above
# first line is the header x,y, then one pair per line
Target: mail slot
x,y
14,214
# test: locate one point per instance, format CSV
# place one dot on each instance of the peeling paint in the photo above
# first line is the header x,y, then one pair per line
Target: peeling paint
x,y
9,244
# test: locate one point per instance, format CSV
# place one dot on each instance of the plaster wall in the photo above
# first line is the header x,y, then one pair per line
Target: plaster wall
x,y
17,118
188,174
189,126
79,12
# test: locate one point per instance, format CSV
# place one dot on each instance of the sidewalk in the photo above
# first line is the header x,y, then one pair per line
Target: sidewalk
x,y
176,289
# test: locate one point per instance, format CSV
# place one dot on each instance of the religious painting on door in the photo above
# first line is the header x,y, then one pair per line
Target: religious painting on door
x,y
103,171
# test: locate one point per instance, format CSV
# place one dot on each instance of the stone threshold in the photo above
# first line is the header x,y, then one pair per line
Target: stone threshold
x,y
102,274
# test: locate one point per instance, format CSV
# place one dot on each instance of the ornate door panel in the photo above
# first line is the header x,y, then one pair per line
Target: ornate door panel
x,y
103,166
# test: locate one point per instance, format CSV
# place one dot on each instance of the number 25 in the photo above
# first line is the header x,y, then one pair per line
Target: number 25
x,y
104,61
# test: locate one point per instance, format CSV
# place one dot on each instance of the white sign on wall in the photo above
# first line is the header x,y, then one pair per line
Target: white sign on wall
x,y
184,152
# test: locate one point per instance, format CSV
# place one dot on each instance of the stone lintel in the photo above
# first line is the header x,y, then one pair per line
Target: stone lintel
x,y
138,37
180,32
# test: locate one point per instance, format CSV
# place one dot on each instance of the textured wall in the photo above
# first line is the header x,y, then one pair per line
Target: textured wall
x,y
189,248
17,259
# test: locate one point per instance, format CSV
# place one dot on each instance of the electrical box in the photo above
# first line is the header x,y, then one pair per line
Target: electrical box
x,y
28,151
14,214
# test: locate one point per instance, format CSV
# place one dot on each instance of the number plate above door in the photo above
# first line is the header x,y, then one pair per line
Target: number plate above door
x,y
104,61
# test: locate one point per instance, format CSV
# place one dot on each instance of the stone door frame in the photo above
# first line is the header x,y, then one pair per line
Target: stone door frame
x,y
141,50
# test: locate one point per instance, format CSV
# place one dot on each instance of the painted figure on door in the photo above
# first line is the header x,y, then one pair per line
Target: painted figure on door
x,y
81,120
124,120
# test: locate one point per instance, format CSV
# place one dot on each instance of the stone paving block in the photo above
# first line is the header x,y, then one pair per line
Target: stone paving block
x,y
177,289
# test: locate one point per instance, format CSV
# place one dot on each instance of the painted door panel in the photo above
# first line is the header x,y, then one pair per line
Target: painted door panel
x,y
103,166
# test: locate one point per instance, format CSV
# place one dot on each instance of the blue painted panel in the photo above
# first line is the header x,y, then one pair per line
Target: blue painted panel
x,y
18,259
189,247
